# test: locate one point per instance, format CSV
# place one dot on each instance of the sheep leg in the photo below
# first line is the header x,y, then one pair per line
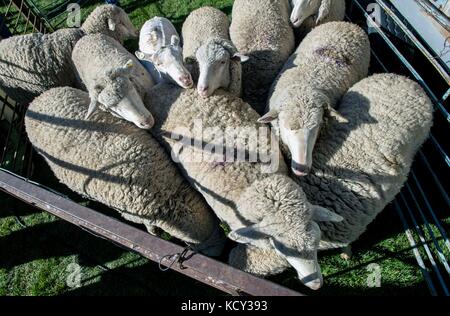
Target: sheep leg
x,y
152,229
346,253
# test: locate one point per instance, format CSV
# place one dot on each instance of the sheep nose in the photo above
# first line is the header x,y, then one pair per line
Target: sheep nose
x,y
203,90
186,80
300,170
147,123
315,285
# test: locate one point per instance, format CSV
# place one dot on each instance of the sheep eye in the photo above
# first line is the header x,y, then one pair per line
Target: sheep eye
x,y
223,62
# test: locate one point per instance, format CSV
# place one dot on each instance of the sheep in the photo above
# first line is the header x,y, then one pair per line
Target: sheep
x,y
111,161
359,167
307,14
161,54
245,187
263,32
114,78
210,53
33,63
331,59
110,20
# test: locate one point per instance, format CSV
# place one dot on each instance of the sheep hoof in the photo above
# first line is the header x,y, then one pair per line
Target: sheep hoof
x,y
346,253
153,230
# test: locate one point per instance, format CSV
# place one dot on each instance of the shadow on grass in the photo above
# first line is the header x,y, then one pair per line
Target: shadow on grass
x,y
146,279
10,204
54,239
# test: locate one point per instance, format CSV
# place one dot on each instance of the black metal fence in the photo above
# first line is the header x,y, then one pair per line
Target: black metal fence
x,y
19,17
424,202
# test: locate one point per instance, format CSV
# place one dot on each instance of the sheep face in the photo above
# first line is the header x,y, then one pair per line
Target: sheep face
x,y
300,115
121,99
290,226
118,95
303,9
214,63
301,253
169,62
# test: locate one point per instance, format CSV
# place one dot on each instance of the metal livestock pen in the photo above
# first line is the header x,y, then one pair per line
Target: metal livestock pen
x,y
421,206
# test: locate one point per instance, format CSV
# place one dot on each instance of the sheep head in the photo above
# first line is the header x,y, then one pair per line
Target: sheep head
x,y
110,20
214,58
168,60
303,9
116,94
289,225
299,114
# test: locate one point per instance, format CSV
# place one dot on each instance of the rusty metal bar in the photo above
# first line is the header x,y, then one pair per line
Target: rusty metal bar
x,y
199,267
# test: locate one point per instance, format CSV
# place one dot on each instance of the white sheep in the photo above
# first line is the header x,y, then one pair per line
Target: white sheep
x,y
110,20
359,166
307,14
209,51
262,31
33,63
161,54
213,139
111,161
114,78
331,59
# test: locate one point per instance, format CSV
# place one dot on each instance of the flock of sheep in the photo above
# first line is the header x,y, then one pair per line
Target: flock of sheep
x,y
349,139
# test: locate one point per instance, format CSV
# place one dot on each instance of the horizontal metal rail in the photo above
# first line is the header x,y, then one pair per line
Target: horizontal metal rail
x,y
199,267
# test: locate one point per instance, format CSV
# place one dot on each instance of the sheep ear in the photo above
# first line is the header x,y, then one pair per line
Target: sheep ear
x,y
240,58
92,108
321,214
129,64
140,55
269,117
125,70
324,11
111,25
175,40
334,114
143,56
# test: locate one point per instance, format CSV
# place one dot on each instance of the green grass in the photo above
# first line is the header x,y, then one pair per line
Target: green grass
x,y
35,258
